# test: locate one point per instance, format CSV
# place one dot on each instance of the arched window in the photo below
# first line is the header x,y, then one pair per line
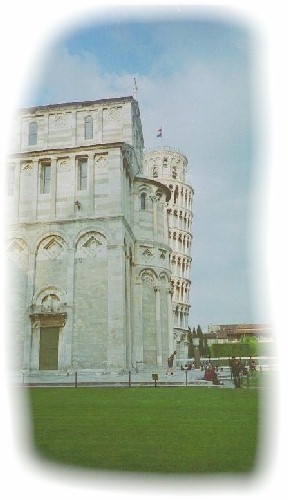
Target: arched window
x,y
175,195
88,125
33,129
143,201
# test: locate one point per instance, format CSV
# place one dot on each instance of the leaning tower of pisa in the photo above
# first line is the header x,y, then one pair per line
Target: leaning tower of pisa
x,y
169,166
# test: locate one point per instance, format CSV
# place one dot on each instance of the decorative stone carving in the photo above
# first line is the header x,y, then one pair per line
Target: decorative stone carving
x,y
112,114
147,254
92,245
27,168
89,245
49,307
147,276
53,247
51,303
100,161
16,249
60,120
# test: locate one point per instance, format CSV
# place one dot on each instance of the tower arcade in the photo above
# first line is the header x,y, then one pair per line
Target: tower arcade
x,y
169,166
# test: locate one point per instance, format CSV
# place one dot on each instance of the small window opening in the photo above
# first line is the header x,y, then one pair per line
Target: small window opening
x,y
82,174
88,125
45,177
33,129
143,201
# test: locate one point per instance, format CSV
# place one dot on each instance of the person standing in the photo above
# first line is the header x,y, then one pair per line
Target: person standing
x,y
235,370
170,362
252,364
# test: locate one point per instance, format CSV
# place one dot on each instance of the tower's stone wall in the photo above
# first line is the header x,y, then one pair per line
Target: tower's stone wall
x,y
169,166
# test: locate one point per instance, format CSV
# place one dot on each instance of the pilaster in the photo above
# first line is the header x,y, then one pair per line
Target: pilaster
x,y
116,335
158,327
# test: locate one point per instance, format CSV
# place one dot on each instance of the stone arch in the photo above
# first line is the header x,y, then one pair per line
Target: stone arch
x,y
49,290
104,236
17,248
164,278
143,200
51,261
144,188
51,247
90,243
147,275
144,193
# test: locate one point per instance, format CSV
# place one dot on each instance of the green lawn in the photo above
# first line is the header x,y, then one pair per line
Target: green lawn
x,y
148,429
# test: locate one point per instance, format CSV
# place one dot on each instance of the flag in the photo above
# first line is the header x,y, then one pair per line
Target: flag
x,y
159,133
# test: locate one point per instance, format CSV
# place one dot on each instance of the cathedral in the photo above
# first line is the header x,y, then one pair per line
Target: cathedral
x,y
98,240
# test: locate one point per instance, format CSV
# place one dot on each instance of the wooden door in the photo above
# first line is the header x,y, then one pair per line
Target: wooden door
x,y
48,353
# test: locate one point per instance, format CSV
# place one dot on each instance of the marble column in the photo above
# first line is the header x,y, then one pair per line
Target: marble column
x,y
66,337
158,327
28,332
53,188
170,320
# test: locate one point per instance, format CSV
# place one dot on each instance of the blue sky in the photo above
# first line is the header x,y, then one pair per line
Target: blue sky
x,y
196,78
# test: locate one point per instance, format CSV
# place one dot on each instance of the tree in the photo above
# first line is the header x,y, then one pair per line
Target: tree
x,y
190,344
199,331
206,350
238,349
202,347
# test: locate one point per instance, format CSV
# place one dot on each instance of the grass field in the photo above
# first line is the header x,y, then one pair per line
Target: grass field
x,y
163,430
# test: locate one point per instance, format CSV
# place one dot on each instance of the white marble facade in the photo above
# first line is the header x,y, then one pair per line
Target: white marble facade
x,y
89,241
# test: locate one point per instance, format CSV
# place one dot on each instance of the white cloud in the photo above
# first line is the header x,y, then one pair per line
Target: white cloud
x,y
76,77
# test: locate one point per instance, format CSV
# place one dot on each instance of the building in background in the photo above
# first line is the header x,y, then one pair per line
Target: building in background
x,y
236,332
98,245
169,166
